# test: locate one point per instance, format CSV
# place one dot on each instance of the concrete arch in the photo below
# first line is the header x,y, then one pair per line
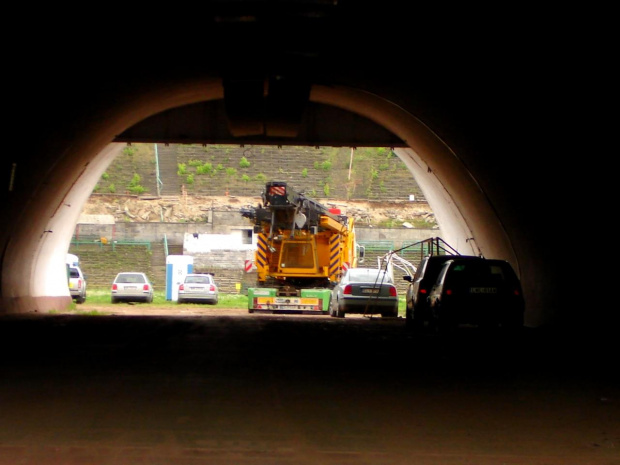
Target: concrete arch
x,y
40,235
39,241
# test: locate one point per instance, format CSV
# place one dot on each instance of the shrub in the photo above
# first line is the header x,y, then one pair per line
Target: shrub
x,y
204,169
129,150
194,163
326,189
135,180
181,169
326,165
244,163
260,177
134,185
137,190
245,178
112,188
105,176
304,173
189,179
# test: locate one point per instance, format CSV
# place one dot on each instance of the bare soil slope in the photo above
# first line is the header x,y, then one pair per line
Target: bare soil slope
x,y
194,207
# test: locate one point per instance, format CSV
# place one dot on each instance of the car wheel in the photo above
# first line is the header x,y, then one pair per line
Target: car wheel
x,y
417,324
408,318
179,301
390,314
80,300
419,320
114,300
339,312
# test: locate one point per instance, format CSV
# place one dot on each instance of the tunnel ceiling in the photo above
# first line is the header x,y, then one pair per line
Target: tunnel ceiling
x,y
207,123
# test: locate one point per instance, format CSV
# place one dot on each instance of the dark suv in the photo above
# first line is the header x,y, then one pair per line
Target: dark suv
x,y
484,292
417,314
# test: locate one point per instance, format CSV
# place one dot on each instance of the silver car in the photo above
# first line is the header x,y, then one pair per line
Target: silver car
x,y
198,287
132,287
366,291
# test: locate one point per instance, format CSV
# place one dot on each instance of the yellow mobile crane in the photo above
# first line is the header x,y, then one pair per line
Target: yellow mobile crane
x,y
303,249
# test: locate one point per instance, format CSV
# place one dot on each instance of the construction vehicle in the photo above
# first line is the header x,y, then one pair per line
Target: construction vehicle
x,y
303,249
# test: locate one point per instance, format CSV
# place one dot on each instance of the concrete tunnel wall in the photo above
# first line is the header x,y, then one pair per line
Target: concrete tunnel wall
x,y
33,262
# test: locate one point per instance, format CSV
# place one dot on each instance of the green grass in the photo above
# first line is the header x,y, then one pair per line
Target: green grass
x,y
102,296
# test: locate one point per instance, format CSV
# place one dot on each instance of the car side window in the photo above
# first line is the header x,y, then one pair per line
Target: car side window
x,y
442,273
419,272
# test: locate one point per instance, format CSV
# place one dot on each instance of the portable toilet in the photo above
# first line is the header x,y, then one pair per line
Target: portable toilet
x,y
177,267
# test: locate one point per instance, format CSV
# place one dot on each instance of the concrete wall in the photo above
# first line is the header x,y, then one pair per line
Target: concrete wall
x,y
224,222
220,246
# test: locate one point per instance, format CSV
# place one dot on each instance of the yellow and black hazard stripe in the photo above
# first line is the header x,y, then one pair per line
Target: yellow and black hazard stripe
x,y
261,251
334,257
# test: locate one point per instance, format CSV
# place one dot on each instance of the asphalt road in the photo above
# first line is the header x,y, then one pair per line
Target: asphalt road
x,y
264,389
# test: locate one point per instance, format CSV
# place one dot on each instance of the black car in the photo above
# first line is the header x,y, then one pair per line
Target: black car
x,y
485,293
417,315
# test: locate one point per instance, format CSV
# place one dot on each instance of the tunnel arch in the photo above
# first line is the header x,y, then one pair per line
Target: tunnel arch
x,y
37,248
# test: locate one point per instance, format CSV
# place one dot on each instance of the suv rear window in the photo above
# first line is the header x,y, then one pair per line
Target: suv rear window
x,y
480,271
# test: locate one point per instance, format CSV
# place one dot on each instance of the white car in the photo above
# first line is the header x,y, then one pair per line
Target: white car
x,y
198,287
77,284
132,286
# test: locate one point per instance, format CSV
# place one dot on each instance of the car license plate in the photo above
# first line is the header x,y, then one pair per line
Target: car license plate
x,y
483,290
131,287
370,290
